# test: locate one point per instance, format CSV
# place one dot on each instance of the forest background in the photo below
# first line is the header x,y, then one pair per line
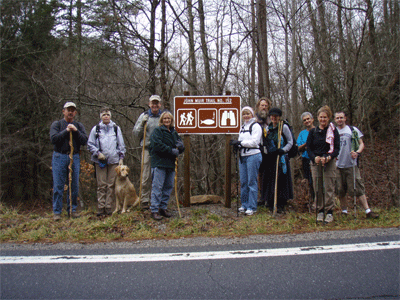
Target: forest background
x,y
300,53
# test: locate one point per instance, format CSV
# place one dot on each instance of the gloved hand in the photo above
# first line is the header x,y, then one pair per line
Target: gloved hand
x,y
101,156
179,145
121,162
281,151
145,118
175,152
235,143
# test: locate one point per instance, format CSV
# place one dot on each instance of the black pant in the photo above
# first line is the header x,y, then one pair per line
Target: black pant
x,y
308,176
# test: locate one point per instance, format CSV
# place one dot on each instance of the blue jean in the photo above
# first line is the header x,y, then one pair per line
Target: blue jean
x,y
60,165
161,188
248,167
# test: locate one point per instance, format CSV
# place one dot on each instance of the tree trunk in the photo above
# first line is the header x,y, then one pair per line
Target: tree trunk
x,y
204,48
264,83
192,53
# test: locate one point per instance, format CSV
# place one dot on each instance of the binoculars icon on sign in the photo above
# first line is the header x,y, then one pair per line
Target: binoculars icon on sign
x,y
228,118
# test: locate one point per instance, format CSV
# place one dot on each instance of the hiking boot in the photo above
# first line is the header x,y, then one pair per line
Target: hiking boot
x,y
75,215
156,216
249,212
165,213
320,217
329,218
242,209
57,217
372,215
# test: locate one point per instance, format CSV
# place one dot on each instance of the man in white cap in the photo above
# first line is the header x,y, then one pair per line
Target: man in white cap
x,y
151,117
60,138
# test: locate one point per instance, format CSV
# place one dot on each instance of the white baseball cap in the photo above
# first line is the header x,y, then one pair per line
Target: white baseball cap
x,y
155,98
69,104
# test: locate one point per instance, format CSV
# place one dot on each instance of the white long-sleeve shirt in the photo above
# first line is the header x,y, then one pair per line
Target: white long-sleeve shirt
x,y
250,142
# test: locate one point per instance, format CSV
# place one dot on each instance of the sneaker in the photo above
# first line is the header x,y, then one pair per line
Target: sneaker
x,y
156,216
75,215
57,217
320,217
329,218
249,212
242,209
165,213
372,215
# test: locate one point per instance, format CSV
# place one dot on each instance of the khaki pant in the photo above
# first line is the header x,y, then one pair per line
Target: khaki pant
x,y
329,181
146,179
105,186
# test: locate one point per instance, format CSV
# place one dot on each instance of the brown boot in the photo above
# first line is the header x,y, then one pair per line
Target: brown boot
x,y
156,216
165,213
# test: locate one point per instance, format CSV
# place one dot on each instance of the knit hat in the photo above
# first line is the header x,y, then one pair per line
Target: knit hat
x,y
275,111
249,109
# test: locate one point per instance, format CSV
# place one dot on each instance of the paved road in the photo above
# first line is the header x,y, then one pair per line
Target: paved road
x,y
360,264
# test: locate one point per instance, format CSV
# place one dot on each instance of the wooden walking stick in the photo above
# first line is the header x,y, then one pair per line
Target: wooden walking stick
x,y
142,166
176,187
71,160
280,125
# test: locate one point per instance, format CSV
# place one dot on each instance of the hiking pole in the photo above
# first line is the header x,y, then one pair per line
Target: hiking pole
x,y
237,181
280,125
176,187
323,191
354,192
71,160
318,195
142,166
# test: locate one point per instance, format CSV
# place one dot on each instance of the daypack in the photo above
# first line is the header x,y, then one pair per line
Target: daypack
x,y
355,144
98,133
294,150
250,131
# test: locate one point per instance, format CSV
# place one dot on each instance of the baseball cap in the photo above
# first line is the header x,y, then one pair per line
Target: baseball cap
x,y
69,104
155,98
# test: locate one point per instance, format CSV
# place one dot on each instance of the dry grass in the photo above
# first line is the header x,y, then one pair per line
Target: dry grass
x,y
19,226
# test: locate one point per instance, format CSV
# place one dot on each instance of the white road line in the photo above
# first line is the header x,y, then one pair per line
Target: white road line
x,y
187,256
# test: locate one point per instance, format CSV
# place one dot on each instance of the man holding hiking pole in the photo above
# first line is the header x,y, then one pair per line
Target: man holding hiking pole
x,y
348,174
143,129
60,137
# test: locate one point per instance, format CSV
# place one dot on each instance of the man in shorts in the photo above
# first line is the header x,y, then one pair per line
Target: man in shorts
x,y
351,147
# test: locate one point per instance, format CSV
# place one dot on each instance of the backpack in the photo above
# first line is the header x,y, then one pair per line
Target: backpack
x,y
250,131
294,150
98,133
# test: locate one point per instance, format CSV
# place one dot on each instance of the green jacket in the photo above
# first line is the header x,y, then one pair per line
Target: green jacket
x,y
162,141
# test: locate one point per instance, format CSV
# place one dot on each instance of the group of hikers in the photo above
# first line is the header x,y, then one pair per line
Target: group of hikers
x,y
329,160
329,156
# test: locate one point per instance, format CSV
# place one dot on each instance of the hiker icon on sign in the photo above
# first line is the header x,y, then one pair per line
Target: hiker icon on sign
x,y
186,118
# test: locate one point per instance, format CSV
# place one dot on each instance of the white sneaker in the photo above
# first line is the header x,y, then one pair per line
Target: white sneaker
x,y
242,209
320,217
329,218
249,212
